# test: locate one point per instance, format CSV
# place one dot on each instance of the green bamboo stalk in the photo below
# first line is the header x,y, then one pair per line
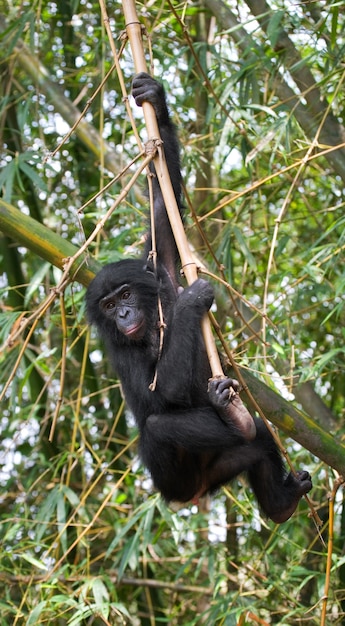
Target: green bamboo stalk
x,y
27,232
297,424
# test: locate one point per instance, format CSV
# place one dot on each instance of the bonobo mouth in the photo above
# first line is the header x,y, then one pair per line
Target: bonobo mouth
x,y
136,331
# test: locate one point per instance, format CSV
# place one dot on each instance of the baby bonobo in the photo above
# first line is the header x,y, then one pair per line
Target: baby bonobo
x,y
194,436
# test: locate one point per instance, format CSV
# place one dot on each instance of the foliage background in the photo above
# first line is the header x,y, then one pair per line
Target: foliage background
x,y
256,90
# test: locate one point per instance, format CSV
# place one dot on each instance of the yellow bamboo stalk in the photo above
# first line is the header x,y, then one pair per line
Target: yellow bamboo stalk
x,y
134,33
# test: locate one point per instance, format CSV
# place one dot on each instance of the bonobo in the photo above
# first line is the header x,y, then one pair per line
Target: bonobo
x,y
192,438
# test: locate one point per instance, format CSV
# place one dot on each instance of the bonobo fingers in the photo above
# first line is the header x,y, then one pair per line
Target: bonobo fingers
x,y
224,395
147,89
224,389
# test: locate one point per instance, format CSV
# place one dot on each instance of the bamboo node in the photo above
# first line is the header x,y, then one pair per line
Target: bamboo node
x,y
186,264
152,145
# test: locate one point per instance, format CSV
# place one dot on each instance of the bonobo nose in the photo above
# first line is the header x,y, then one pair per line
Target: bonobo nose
x,y
123,312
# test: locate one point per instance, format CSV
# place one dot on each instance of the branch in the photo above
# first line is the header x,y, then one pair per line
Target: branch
x,y
27,232
21,579
296,424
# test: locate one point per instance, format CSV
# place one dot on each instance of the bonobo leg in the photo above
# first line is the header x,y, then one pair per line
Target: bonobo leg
x,y
277,492
195,430
193,452
178,450
224,395
174,471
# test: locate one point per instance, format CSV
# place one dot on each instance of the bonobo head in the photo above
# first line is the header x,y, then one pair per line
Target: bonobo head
x,y
122,306
122,301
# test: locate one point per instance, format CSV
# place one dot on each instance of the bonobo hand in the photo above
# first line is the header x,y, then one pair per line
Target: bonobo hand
x,y
224,395
198,295
147,89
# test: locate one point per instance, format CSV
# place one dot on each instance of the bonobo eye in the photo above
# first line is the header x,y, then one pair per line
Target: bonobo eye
x,y
109,305
125,295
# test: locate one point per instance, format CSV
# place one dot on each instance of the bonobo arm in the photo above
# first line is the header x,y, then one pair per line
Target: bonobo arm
x,y
147,89
183,365
184,362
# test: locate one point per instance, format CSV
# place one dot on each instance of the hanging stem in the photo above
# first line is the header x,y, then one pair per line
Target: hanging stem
x,y
337,483
162,326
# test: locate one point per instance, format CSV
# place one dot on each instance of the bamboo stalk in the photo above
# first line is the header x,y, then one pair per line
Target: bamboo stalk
x,y
41,240
133,28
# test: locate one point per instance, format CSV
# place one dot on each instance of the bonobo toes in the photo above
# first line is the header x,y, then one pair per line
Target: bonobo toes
x,y
224,395
296,486
302,481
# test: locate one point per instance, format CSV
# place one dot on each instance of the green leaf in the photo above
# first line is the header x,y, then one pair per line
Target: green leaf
x,y
36,282
274,27
100,591
33,618
244,247
33,561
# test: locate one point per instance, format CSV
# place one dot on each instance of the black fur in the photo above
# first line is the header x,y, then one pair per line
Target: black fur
x,y
188,439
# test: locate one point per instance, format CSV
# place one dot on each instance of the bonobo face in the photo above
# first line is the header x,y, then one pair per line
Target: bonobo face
x,y
122,307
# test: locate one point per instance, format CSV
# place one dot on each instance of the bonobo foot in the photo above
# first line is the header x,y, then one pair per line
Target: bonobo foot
x,y
224,395
297,485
